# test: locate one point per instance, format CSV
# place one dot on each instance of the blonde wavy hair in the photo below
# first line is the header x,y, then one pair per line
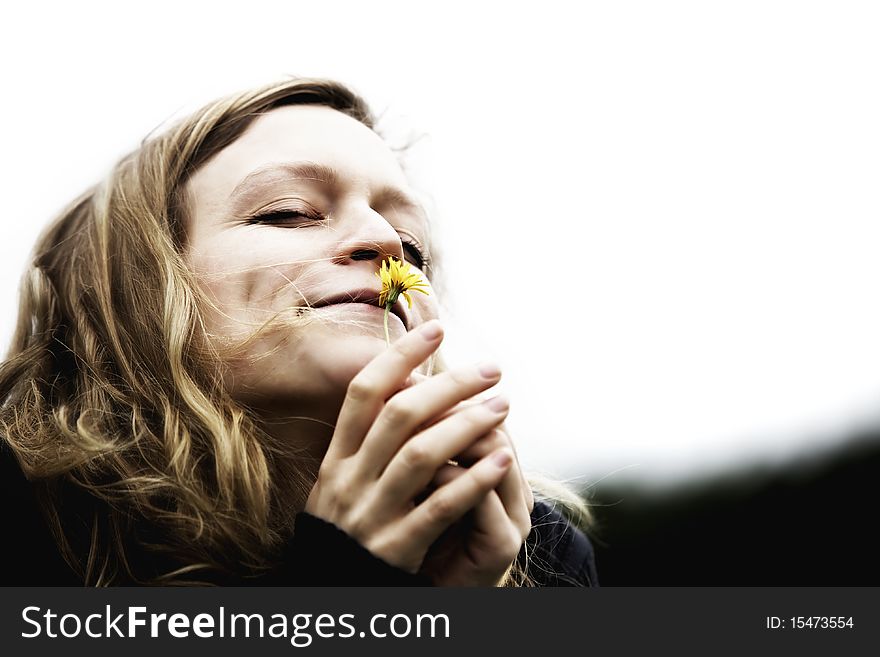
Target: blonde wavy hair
x,y
113,399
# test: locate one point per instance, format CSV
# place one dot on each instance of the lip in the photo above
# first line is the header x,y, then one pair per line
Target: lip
x,y
370,297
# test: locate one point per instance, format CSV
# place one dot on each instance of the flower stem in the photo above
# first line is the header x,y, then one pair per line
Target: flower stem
x,y
387,336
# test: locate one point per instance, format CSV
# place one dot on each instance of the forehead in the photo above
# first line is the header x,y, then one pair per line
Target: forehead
x,y
298,133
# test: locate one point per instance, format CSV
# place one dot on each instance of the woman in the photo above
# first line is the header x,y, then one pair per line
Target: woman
x,y
200,388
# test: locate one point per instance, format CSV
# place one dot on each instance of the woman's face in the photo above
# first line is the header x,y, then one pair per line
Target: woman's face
x,y
299,212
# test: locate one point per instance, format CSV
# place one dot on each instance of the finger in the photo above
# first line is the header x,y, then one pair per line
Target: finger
x,y
528,494
452,472
409,409
446,474
494,533
376,382
515,490
510,489
476,399
526,486
426,522
417,377
473,401
414,465
495,542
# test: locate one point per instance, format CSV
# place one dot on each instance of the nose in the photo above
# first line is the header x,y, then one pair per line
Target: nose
x,y
365,254
370,237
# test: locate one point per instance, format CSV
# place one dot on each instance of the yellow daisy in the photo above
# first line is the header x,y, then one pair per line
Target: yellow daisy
x,y
397,279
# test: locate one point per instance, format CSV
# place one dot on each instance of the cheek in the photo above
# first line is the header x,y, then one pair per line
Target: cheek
x,y
227,286
246,283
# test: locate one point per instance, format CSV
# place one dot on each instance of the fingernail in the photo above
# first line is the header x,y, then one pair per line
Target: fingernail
x,y
502,459
431,330
498,404
489,370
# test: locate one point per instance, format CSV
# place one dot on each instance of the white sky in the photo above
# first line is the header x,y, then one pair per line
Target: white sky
x,y
660,218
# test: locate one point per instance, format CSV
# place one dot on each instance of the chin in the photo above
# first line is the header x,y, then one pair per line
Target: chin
x,y
316,370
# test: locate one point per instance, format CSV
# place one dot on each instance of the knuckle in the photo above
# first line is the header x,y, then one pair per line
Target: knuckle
x,y
397,411
446,475
460,376
416,455
496,439
340,499
484,478
476,416
484,446
442,509
405,350
361,388
326,470
513,544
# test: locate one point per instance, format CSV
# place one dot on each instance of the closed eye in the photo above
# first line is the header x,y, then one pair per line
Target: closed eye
x,y
284,216
414,254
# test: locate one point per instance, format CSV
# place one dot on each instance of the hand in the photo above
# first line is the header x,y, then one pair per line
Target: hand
x,y
384,452
479,549
502,439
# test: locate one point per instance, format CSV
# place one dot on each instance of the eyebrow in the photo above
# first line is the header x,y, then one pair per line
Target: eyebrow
x,y
306,170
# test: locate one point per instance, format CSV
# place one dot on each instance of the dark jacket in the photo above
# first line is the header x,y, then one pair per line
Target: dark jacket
x,y
555,554
319,554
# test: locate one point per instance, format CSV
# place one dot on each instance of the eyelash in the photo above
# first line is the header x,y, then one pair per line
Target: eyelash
x,y
413,249
279,216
